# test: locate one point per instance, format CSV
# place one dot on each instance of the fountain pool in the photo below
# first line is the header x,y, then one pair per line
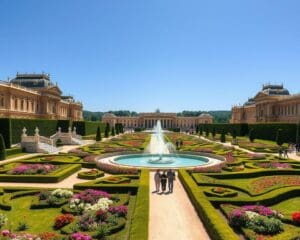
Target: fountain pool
x,y
166,161
161,154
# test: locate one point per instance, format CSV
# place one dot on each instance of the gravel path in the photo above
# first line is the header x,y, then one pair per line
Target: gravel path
x,y
172,216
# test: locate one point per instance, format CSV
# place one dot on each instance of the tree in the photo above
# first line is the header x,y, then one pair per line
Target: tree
x,y
106,132
223,136
213,132
200,131
233,133
113,131
98,134
206,132
251,135
117,127
197,129
2,148
279,137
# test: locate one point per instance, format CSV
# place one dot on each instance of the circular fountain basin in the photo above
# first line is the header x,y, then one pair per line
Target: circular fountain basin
x,y
168,160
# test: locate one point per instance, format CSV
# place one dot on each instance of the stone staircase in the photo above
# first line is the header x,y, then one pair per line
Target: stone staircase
x,y
47,148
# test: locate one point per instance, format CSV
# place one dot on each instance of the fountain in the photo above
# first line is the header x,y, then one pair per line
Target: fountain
x,y
158,148
161,154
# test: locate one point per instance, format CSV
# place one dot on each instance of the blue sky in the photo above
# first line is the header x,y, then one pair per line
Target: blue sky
x,y
141,55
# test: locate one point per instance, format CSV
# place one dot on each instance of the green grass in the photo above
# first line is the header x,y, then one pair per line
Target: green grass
x,y
288,206
38,220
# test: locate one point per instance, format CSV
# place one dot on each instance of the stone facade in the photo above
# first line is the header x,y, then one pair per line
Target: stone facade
x,y
35,96
272,104
148,120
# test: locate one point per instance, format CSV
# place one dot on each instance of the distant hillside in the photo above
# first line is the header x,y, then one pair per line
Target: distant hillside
x,y
219,116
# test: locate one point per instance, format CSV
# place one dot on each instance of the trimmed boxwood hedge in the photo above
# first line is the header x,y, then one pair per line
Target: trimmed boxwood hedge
x,y
85,128
217,227
140,218
88,175
266,131
11,129
54,177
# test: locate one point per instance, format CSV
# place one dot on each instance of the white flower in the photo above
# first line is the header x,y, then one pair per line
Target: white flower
x,y
251,214
61,193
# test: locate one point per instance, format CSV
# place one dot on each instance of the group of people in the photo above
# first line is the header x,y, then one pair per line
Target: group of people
x,y
292,147
161,180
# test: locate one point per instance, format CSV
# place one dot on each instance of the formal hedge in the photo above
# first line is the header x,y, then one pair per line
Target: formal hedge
x,y
215,224
85,128
90,175
11,129
241,129
266,131
140,218
13,151
269,131
65,171
5,130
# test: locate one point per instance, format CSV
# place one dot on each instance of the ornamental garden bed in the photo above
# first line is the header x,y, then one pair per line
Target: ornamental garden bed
x,y
127,142
248,196
91,174
32,213
86,160
36,172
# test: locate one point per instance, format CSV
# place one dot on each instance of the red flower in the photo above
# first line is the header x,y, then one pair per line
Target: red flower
x,y
296,217
63,220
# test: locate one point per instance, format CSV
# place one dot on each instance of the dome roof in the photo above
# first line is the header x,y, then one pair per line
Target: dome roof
x,y
205,115
274,89
109,115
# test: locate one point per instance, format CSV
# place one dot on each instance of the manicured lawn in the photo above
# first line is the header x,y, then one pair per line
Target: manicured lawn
x,y
38,220
288,206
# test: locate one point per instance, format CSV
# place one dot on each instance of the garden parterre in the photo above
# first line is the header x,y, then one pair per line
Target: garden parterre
x,y
252,191
89,213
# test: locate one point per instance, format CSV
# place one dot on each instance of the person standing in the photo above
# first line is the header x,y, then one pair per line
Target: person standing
x,y
163,180
157,177
171,178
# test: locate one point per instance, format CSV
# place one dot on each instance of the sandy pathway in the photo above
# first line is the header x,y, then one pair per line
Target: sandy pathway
x,y
172,216
66,183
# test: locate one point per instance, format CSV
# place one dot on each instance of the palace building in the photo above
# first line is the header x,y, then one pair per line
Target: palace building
x,y
148,120
35,96
273,103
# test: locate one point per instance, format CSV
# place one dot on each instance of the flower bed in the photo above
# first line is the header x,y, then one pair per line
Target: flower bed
x,y
91,174
32,169
273,165
41,173
258,218
262,184
112,169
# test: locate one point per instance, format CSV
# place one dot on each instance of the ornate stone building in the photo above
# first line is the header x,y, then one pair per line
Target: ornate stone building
x,y
272,104
35,96
148,120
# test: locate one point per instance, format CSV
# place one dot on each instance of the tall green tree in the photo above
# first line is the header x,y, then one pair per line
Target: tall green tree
x,y
279,137
2,148
233,133
200,131
117,127
98,134
223,136
213,132
107,130
251,135
207,132
197,129
113,131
